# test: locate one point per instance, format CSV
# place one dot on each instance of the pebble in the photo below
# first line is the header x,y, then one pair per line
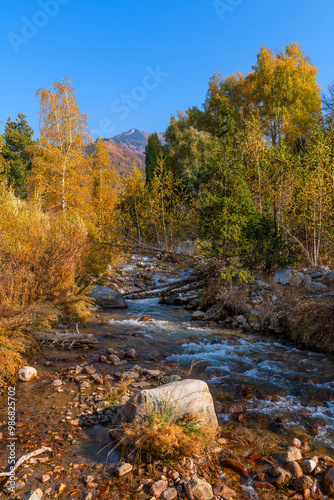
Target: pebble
x,y
303,483
89,479
309,466
75,422
44,478
123,469
282,476
296,443
57,382
61,488
223,491
131,353
169,494
89,369
197,489
295,469
158,487
292,454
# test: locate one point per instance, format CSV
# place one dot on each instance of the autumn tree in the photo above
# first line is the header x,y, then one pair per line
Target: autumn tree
x,y
133,203
61,172
17,153
282,87
104,185
310,224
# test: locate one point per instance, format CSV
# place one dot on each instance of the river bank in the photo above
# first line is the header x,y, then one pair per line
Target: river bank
x,y
266,394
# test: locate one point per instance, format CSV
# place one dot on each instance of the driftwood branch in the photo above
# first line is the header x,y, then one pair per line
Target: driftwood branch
x,y
24,458
62,338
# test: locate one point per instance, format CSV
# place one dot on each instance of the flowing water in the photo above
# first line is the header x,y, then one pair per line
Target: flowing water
x,y
281,388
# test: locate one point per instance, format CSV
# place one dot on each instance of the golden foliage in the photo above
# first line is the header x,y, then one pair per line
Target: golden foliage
x,y
61,173
169,440
40,259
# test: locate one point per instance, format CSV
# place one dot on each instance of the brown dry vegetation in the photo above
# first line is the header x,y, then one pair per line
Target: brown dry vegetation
x,y
312,323
160,437
40,259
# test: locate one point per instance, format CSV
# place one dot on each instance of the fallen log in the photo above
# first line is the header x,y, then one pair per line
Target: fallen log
x,y
62,338
160,288
164,292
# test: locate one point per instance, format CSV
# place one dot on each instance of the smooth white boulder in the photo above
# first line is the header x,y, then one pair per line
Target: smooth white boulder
x,y
188,397
27,373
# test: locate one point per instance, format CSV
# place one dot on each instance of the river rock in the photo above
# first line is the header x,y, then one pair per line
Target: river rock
x,y
292,454
295,469
27,374
158,487
131,353
32,495
296,442
197,489
309,466
89,369
198,315
282,476
221,490
317,287
167,379
113,358
169,494
241,319
330,275
123,469
282,275
153,373
185,397
303,483
107,297
329,482
57,382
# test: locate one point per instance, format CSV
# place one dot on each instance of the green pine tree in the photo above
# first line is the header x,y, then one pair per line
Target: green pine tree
x,y
16,153
154,152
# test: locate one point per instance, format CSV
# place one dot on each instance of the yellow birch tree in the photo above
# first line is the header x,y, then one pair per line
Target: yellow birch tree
x,y
61,172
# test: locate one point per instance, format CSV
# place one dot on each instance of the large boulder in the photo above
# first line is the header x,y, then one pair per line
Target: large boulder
x,y
107,297
282,276
188,397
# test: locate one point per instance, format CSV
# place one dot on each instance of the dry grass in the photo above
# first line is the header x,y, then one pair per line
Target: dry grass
x,y
40,258
117,391
312,323
159,435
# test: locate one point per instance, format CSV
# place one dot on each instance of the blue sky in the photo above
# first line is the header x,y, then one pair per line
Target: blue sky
x,y
133,63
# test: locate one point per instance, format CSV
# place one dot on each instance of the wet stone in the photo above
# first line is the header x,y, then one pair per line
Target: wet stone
x,y
303,483
295,469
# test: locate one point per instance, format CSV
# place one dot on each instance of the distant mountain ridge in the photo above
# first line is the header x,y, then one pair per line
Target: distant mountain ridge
x,y
123,158
135,140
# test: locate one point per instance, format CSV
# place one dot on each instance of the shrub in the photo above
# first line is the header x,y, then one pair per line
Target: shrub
x,y
40,260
